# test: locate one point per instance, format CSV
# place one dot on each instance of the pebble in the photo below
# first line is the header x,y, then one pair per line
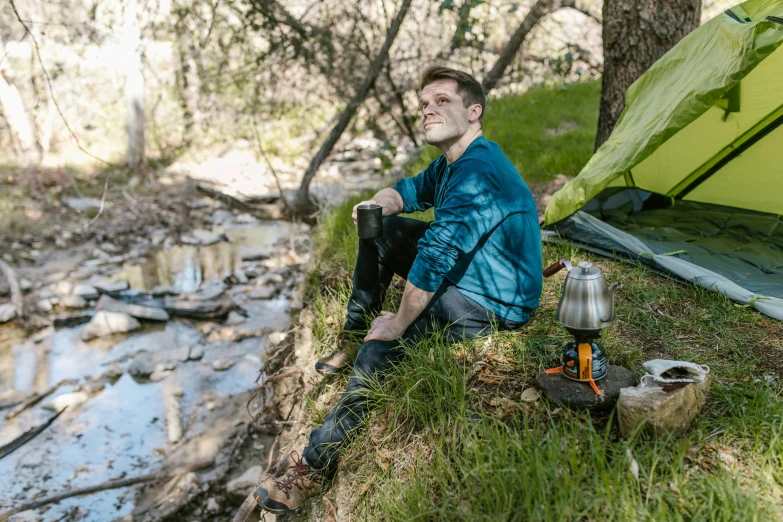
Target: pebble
x,y
221,365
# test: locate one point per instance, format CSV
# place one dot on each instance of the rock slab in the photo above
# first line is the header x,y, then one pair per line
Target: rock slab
x,y
7,312
140,312
239,488
107,323
665,411
579,395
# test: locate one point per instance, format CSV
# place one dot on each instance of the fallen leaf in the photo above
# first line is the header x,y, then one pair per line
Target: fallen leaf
x,y
530,395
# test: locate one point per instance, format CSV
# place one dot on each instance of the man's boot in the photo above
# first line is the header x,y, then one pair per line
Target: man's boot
x,y
286,490
341,359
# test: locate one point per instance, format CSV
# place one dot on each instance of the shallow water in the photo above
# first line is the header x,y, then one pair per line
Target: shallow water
x,y
122,430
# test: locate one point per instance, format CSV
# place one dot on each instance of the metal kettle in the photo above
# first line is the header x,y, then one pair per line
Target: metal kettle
x,y
587,301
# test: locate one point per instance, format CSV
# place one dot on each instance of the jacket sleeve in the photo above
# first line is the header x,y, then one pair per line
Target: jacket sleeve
x,y
418,192
471,209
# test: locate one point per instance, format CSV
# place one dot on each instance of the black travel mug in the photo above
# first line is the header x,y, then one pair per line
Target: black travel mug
x,y
369,220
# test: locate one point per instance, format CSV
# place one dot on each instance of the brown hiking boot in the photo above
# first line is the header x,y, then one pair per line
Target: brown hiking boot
x,y
348,344
287,492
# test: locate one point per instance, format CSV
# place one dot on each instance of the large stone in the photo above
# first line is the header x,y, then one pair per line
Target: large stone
x,y
7,312
239,488
108,286
579,395
73,301
67,400
140,312
665,411
107,323
85,291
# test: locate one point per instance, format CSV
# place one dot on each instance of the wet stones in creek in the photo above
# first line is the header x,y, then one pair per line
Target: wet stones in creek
x,y
140,312
579,395
106,323
147,364
7,312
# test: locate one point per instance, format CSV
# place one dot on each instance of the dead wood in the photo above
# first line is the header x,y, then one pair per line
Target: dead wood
x,y
305,207
539,10
112,484
27,436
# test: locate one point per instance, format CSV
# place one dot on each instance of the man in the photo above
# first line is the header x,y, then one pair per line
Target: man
x,y
475,267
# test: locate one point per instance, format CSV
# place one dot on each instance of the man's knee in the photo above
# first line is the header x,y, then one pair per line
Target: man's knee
x,y
375,357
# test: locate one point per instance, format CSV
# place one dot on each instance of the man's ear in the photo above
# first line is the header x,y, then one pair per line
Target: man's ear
x,y
475,112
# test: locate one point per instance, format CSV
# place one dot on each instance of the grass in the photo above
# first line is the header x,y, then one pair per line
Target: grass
x,y
450,438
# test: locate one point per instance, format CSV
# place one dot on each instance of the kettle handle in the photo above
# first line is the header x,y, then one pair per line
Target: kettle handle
x,y
554,268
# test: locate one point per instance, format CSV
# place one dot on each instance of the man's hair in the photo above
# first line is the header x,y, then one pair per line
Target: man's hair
x,y
467,86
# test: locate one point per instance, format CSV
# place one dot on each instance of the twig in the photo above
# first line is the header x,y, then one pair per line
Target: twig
x,y
112,484
35,399
103,199
271,452
27,436
13,285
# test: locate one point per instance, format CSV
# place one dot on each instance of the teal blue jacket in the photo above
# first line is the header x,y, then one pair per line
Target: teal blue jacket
x,y
485,237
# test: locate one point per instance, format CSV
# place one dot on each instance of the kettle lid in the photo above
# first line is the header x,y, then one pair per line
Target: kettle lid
x,y
585,271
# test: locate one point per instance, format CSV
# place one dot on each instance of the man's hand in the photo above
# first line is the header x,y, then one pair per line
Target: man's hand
x,y
384,328
389,200
368,202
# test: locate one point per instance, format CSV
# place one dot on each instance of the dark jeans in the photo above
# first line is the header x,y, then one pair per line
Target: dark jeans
x,y
449,311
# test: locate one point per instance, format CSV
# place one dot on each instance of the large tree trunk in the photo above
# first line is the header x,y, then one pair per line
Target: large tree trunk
x,y
20,122
304,206
636,33
134,86
188,75
539,10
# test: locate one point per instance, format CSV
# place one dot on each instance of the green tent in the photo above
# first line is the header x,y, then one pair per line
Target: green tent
x,y
691,179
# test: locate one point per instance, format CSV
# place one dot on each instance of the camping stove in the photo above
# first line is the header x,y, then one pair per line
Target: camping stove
x,y
586,307
583,361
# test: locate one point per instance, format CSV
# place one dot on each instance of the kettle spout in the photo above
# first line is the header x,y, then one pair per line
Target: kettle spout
x,y
612,289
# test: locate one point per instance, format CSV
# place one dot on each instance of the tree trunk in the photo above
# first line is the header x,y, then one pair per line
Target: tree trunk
x,y
539,10
635,34
134,86
189,80
19,121
304,206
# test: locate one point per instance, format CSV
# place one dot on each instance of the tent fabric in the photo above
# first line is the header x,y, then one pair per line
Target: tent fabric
x,y
734,252
679,120
691,179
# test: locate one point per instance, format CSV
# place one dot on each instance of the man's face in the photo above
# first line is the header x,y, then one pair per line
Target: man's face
x,y
444,115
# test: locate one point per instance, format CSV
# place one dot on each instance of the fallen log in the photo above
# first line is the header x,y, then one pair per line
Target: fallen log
x,y
27,436
112,484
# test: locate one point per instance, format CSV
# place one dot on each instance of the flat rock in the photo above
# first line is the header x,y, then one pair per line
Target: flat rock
x,y
140,312
262,292
234,318
7,312
221,365
106,323
665,411
85,291
73,301
80,204
239,488
201,237
161,290
69,400
579,395
255,252
145,364
112,286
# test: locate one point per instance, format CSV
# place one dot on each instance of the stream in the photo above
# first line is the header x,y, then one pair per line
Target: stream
x,y
131,419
